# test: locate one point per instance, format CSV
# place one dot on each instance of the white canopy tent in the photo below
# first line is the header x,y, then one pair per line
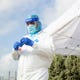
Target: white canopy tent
x,y
66,31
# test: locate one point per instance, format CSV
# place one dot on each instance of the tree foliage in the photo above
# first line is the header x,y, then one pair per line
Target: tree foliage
x,y
65,68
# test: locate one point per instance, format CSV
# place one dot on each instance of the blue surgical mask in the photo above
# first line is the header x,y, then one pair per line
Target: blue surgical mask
x,y
32,29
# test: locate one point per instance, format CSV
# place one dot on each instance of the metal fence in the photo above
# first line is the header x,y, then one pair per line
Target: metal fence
x,y
8,75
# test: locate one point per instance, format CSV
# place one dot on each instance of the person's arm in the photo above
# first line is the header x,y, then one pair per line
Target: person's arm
x,y
16,55
16,50
45,44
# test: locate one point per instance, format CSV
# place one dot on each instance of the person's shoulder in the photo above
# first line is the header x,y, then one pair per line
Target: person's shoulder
x,y
42,33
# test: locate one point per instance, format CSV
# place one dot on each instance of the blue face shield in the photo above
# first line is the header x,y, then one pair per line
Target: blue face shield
x,y
32,29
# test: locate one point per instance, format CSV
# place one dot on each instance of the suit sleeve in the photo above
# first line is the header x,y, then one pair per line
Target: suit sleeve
x,y
45,44
16,55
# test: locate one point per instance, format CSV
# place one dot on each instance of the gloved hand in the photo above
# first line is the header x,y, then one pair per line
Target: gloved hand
x,y
17,45
27,41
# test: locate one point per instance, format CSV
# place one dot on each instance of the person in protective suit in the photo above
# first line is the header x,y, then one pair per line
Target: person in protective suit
x,y
34,52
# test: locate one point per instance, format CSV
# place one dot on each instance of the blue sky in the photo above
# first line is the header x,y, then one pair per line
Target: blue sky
x,y
14,12
12,22
12,19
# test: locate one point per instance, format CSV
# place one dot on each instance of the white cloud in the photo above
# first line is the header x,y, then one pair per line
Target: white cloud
x,y
9,8
7,64
8,5
5,4
52,12
63,5
8,27
49,13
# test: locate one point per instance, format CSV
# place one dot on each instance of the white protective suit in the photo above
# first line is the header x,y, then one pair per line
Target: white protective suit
x,y
34,61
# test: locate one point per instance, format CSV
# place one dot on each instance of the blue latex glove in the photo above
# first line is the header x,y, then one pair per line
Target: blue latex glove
x,y
17,45
27,41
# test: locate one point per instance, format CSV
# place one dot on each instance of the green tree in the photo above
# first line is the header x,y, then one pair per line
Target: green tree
x,y
65,68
